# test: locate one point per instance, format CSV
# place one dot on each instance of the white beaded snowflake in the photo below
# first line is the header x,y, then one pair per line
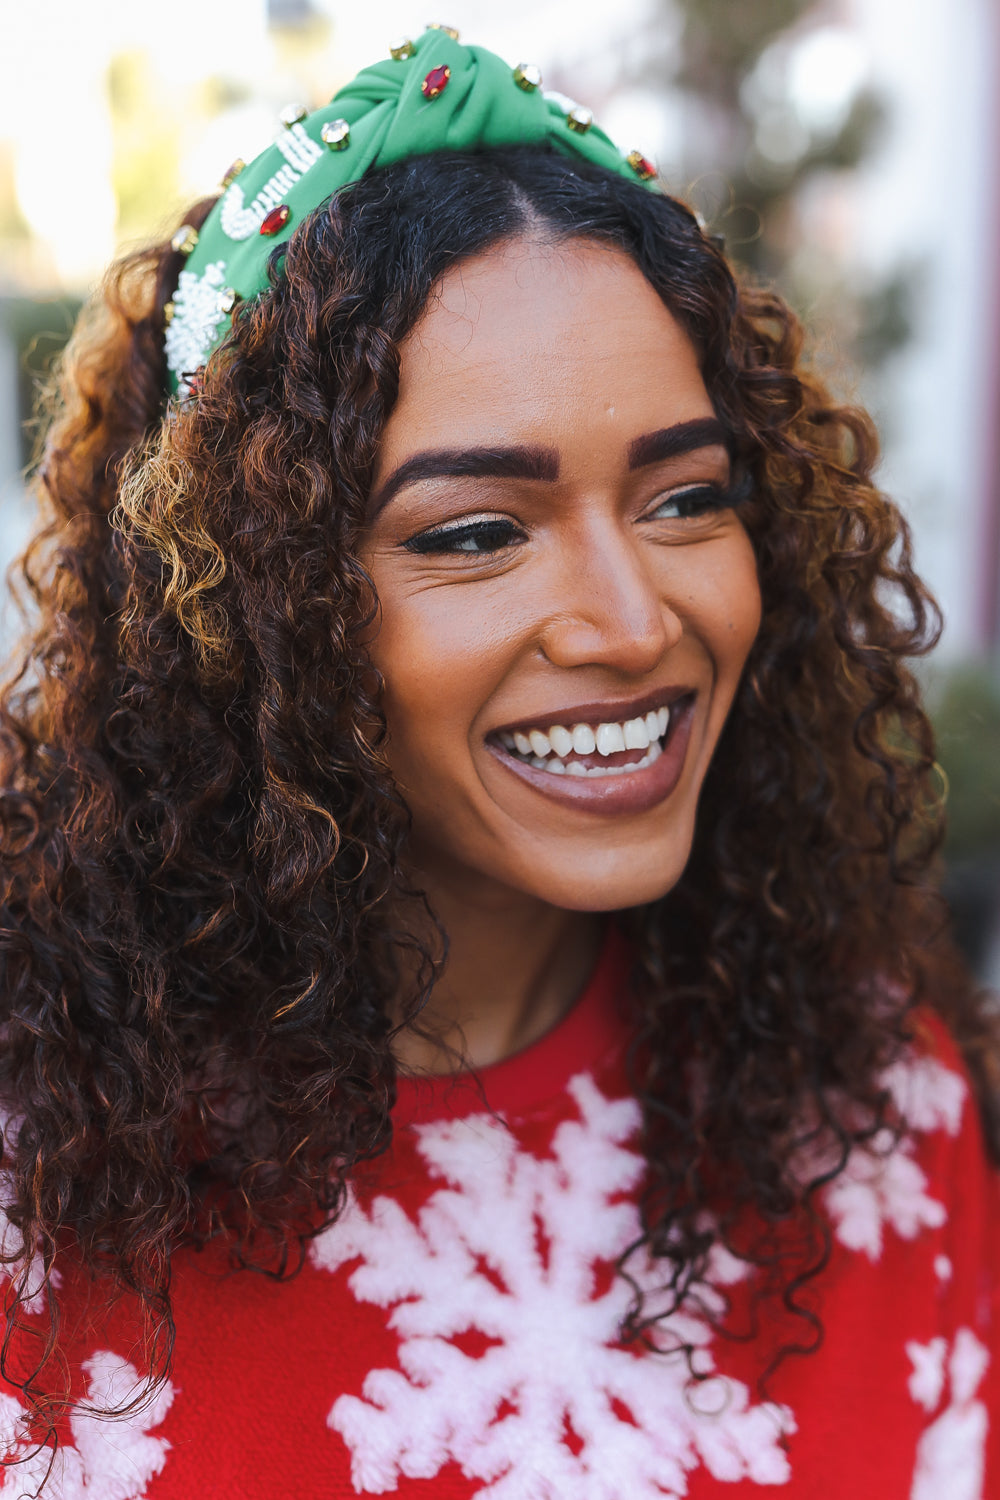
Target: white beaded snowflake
x,y
507,1250
198,311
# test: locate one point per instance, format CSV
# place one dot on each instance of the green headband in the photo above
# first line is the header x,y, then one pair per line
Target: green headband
x,y
430,95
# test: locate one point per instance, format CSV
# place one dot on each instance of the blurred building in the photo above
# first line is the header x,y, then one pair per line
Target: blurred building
x,y
932,197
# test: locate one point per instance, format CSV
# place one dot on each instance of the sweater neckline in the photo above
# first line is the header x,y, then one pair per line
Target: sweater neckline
x,y
596,1024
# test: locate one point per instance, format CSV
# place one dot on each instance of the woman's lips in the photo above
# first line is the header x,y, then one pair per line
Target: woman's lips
x,y
630,791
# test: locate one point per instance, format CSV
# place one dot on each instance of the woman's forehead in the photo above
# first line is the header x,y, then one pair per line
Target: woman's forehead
x,y
514,294
536,338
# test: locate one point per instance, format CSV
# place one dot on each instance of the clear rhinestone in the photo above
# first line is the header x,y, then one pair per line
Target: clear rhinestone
x,y
528,77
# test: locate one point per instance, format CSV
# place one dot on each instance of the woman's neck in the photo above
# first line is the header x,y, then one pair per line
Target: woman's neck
x,y
515,966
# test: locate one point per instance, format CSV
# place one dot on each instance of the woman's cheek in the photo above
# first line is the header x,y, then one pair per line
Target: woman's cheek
x,y
439,652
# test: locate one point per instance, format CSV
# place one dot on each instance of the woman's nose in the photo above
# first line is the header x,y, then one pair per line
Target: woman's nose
x,y
606,606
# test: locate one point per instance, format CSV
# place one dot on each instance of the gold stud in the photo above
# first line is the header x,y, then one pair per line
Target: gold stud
x,y
449,30
528,77
231,175
184,241
336,134
402,49
292,114
580,119
227,299
641,165
168,314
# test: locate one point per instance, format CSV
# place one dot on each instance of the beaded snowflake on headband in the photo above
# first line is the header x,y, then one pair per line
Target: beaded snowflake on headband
x,y
432,94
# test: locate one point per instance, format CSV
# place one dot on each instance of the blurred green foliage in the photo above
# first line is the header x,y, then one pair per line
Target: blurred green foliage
x,y
966,714
37,329
967,721
13,224
145,130
722,47
729,66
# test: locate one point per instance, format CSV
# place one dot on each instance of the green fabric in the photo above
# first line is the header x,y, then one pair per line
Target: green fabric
x,y
481,105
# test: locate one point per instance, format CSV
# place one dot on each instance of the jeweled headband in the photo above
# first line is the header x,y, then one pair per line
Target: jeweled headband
x,y
433,94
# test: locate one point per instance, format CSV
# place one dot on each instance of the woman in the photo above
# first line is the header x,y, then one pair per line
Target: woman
x,y
467,842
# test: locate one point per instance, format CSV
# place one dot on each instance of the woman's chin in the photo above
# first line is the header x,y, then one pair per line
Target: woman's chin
x,y
606,880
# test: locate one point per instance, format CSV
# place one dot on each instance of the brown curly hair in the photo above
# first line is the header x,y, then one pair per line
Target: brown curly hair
x,y
199,833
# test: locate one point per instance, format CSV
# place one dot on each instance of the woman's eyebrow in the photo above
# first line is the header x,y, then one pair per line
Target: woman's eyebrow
x,y
668,442
521,462
468,463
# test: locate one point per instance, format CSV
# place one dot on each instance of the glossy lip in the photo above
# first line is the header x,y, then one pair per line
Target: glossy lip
x,y
614,711
611,796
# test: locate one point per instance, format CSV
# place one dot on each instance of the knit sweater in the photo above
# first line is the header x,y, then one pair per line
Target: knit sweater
x,y
456,1333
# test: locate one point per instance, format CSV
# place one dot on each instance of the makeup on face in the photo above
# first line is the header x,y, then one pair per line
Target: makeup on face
x,y
567,593
613,758
538,463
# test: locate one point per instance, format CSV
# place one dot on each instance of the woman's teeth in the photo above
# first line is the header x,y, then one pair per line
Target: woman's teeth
x,y
548,750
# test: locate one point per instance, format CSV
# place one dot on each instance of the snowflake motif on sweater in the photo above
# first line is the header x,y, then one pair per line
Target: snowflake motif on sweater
x,y
950,1457
109,1459
885,1185
456,1332
508,1249
12,1241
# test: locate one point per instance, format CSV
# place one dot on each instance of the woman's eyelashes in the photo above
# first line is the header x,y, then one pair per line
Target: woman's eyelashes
x,y
698,500
484,536
476,538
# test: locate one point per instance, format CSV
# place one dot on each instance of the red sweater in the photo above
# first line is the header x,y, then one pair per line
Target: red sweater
x,y
455,1334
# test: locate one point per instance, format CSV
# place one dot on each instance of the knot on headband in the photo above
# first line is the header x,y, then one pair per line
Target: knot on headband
x,y
430,95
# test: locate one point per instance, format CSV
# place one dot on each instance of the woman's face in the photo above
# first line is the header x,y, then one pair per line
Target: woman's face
x,y
567,600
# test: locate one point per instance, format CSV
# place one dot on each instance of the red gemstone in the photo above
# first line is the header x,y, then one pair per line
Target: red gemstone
x,y
641,165
435,82
276,219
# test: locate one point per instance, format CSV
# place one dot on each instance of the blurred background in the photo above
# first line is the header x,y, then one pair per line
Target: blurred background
x,y
849,151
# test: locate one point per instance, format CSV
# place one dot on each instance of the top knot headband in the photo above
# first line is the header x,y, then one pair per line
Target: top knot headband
x,y
433,94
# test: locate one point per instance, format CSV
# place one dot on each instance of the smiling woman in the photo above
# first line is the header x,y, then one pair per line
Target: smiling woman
x,y
467,838
572,564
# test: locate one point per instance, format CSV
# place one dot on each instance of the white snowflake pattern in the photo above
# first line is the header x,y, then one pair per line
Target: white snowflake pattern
x,y
951,1453
553,1405
198,311
883,1183
11,1239
927,1379
113,1458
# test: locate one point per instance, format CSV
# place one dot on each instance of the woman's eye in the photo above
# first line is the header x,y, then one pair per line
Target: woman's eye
x,y
475,538
696,501
699,500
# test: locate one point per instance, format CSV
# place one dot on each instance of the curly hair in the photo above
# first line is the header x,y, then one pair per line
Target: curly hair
x,y
199,832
